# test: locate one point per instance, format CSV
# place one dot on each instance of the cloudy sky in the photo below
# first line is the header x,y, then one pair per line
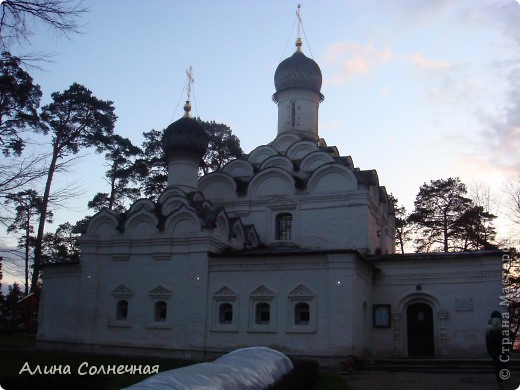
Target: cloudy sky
x,y
416,89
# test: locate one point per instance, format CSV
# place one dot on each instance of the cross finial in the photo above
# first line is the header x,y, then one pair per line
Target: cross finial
x,y
191,80
299,19
299,39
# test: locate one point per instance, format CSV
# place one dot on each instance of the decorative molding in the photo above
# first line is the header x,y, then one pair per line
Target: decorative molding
x,y
161,256
438,277
160,292
225,292
282,203
122,292
262,291
262,264
120,256
301,291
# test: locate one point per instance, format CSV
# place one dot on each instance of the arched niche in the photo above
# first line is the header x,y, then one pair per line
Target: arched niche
x,y
301,149
284,141
260,154
103,224
239,168
271,181
238,235
182,223
315,160
172,203
141,224
252,237
222,226
218,186
278,161
332,178
141,204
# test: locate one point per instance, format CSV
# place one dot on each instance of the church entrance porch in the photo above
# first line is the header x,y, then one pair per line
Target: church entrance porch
x,y
420,330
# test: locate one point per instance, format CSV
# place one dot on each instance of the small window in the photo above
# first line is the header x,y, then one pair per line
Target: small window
x,y
293,114
302,313
284,226
122,310
225,313
381,316
263,313
160,311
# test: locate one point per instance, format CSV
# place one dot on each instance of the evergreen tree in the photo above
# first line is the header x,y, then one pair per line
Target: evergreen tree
x,y
223,146
121,171
28,206
402,226
19,101
446,220
76,120
61,246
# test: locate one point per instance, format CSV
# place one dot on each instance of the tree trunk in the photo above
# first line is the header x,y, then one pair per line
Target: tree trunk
x,y
43,217
27,237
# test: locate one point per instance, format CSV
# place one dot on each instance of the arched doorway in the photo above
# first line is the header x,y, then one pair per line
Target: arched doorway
x,y
420,330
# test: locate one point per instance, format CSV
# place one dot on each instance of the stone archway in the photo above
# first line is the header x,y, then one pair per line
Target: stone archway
x,y
420,330
413,338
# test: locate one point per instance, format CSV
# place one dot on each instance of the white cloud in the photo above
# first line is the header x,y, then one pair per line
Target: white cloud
x,y
351,59
422,62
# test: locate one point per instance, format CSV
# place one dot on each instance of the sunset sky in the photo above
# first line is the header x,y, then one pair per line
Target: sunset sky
x,y
416,89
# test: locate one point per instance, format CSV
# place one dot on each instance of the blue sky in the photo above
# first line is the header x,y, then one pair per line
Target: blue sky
x,y
416,89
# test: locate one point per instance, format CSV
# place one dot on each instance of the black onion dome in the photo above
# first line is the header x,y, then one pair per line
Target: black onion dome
x,y
185,135
297,71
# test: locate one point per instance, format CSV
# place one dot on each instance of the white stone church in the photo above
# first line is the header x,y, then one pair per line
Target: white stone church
x,y
290,247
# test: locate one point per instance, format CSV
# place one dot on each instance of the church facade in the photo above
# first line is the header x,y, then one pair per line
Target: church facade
x,y
290,247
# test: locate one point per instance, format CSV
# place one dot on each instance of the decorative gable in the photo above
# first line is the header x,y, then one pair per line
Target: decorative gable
x,y
282,203
301,291
161,292
262,291
225,292
122,292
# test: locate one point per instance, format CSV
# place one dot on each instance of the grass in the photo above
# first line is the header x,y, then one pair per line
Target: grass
x,y
16,351
329,381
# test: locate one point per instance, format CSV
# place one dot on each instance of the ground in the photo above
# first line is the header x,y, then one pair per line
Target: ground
x,y
399,380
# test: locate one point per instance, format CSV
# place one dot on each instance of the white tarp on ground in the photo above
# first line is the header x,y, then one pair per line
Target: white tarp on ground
x,y
252,368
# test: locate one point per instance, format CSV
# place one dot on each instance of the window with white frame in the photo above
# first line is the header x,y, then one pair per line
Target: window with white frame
x,y
119,316
262,310
262,313
302,311
122,310
284,227
283,221
160,311
161,315
225,311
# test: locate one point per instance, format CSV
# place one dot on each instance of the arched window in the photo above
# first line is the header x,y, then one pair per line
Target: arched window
x,y
225,313
122,310
302,313
160,309
284,226
262,313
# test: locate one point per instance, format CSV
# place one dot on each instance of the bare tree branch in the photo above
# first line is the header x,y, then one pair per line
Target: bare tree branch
x,y
18,16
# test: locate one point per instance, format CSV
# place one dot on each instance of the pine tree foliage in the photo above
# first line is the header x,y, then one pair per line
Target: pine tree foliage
x,y
19,101
446,220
